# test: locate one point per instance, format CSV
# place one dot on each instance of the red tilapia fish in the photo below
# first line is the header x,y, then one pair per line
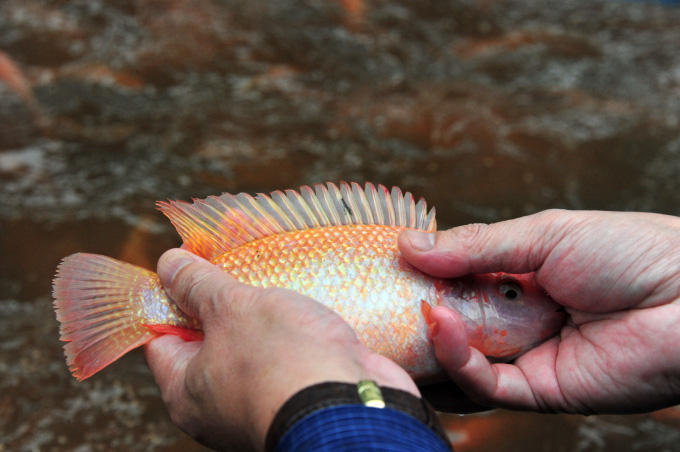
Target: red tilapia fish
x,y
336,245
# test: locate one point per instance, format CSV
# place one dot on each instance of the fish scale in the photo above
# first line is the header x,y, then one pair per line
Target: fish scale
x,y
356,271
335,245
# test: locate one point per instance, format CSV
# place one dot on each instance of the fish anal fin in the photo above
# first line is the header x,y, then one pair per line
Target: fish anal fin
x,y
185,333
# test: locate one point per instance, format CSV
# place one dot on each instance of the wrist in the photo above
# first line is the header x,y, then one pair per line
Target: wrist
x,y
327,397
364,365
386,373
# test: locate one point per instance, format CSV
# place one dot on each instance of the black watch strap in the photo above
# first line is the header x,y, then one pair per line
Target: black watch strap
x,y
324,395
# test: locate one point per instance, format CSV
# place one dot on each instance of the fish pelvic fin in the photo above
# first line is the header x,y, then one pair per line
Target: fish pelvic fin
x,y
213,226
99,314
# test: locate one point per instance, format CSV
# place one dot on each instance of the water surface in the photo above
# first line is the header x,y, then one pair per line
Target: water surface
x,y
490,110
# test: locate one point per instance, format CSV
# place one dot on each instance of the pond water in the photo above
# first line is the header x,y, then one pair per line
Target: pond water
x,y
488,109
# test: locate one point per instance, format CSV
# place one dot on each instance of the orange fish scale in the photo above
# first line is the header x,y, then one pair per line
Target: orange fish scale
x,y
355,270
338,251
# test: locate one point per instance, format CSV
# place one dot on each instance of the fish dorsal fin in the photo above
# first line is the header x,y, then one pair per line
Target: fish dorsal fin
x,y
213,226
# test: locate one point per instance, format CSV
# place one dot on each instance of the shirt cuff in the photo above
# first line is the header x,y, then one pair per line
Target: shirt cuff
x,y
358,427
302,409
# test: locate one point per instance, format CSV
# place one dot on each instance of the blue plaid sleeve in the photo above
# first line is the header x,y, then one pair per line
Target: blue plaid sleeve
x,y
360,428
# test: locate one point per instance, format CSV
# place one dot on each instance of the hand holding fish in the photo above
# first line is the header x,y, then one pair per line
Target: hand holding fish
x,y
335,245
617,276
260,347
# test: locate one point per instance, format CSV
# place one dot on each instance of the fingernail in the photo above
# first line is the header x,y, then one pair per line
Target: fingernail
x,y
422,241
171,263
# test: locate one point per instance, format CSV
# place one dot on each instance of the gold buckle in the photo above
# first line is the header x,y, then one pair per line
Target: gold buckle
x,y
370,394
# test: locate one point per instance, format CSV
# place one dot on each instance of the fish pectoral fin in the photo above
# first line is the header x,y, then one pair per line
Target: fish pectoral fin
x,y
426,309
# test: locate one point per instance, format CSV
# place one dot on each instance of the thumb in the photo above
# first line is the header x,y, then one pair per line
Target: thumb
x,y
514,246
192,282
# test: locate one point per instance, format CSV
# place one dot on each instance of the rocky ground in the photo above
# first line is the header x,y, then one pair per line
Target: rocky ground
x,y
489,109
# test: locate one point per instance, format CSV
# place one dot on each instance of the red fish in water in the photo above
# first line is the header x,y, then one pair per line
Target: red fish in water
x,y
336,245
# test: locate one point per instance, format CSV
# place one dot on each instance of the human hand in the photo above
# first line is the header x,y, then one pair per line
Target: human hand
x,y
261,346
618,277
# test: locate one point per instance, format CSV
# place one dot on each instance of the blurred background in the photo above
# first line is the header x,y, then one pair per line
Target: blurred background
x,y
489,109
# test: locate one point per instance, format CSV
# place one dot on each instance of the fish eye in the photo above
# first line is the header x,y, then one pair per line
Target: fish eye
x,y
510,290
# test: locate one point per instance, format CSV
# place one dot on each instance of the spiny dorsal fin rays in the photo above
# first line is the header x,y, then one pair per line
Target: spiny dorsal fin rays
x,y
387,206
350,204
257,214
362,202
314,205
399,208
410,209
374,203
302,208
289,210
327,204
421,213
217,224
430,222
275,212
339,203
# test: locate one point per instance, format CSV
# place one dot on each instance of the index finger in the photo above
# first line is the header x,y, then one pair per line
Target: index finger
x,y
168,357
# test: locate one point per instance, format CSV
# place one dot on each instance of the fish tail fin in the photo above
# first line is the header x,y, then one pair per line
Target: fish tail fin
x,y
96,306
